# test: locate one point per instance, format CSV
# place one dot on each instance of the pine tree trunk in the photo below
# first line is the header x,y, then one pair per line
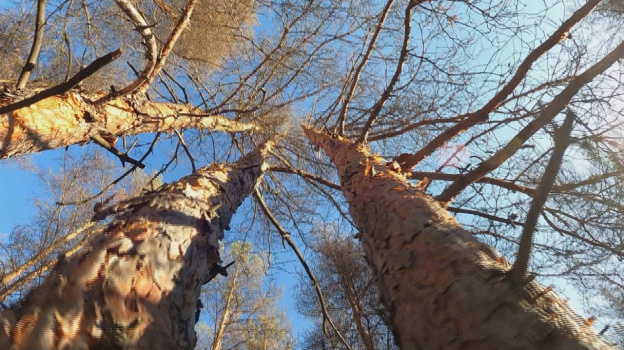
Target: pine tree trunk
x,y
138,285
73,118
444,288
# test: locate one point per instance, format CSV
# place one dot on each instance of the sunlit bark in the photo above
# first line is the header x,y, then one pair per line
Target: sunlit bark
x,y
444,288
72,118
138,284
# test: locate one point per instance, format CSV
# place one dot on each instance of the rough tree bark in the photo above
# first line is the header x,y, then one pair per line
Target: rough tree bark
x,y
73,118
138,285
444,288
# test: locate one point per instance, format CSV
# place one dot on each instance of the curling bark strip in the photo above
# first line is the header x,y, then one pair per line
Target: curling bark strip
x,y
72,118
444,288
138,284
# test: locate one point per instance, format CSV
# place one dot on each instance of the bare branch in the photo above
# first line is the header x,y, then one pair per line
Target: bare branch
x,y
123,157
407,23
149,41
548,113
166,50
66,86
591,242
186,150
472,119
36,46
116,181
360,67
293,246
507,221
304,174
489,180
562,140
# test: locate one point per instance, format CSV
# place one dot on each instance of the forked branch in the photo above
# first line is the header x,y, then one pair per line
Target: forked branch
x,y
166,50
148,40
407,23
358,71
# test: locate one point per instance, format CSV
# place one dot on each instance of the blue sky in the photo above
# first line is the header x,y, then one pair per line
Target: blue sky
x,y
18,187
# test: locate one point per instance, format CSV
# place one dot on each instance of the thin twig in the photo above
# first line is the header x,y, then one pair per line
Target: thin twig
x,y
562,140
123,176
590,241
186,150
286,237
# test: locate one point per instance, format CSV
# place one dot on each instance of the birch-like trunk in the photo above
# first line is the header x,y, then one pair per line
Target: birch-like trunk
x,y
72,118
138,285
217,341
444,288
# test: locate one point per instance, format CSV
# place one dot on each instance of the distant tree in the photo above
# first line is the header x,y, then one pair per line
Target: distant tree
x,y
240,311
352,296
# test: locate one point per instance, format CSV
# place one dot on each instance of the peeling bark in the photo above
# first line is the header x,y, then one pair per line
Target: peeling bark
x,y
138,285
444,288
73,118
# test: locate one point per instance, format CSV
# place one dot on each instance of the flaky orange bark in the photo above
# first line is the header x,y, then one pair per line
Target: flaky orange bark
x,y
444,288
72,118
138,285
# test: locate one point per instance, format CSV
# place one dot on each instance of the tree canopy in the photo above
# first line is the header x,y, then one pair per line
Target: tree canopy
x,y
467,100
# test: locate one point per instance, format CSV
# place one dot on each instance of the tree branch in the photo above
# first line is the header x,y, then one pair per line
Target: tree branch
x,y
36,46
149,41
166,50
482,114
117,180
112,149
557,105
407,23
562,140
507,221
293,246
592,242
72,118
304,174
66,86
360,67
